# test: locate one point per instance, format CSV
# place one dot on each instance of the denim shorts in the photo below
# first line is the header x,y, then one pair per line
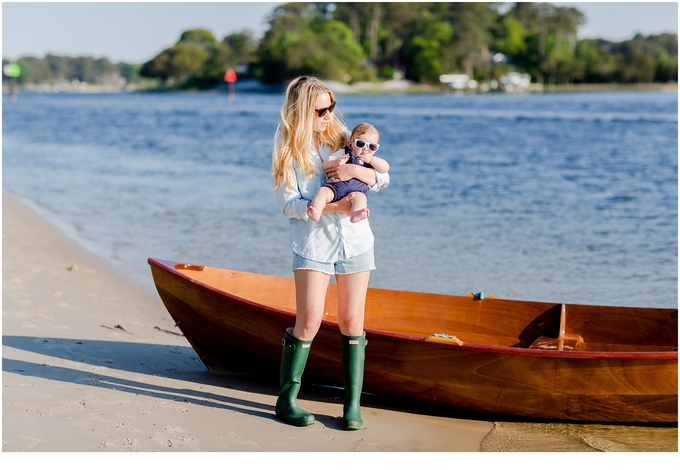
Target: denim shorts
x,y
355,264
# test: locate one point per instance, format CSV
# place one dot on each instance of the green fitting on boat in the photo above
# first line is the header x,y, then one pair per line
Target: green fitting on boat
x,y
444,335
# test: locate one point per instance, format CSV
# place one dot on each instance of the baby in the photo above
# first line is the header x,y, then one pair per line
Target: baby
x,y
360,150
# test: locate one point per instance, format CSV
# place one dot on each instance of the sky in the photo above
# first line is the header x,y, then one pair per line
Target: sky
x,y
135,32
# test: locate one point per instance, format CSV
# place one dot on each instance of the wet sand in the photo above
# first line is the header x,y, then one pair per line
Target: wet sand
x,y
92,362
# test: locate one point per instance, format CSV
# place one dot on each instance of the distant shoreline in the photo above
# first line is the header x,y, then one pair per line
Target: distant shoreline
x,y
610,87
392,86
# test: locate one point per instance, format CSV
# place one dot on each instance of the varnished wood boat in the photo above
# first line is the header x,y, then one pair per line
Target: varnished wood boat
x,y
543,360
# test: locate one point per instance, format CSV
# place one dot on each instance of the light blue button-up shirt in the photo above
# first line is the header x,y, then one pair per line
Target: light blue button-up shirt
x,y
333,237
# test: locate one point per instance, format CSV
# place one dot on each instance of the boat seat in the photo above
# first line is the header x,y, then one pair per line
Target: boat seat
x,y
563,342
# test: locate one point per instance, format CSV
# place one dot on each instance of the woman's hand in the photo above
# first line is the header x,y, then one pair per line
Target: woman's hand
x,y
342,172
347,172
331,168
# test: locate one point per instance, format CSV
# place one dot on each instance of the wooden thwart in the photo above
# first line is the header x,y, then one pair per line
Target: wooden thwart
x,y
564,341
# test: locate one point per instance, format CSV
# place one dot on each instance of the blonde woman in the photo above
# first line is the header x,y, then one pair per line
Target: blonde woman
x,y
308,133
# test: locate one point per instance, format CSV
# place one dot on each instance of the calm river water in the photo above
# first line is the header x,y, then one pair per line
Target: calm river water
x,y
551,197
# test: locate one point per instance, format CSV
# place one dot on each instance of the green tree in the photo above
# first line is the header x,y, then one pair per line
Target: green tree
x,y
637,67
559,62
666,68
301,40
472,24
649,58
33,70
336,56
383,32
192,58
199,37
130,72
60,68
425,50
351,41
237,50
88,69
607,68
588,58
276,51
541,39
511,41
177,64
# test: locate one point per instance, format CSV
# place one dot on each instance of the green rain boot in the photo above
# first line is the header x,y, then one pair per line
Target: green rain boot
x,y
353,354
293,360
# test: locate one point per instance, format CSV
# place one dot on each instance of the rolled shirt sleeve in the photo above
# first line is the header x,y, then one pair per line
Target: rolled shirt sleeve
x,y
382,180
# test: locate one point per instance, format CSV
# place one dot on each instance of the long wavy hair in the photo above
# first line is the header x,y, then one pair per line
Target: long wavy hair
x,y
294,133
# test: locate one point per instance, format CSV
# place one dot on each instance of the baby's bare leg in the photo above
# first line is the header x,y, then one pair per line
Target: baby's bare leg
x,y
359,207
322,197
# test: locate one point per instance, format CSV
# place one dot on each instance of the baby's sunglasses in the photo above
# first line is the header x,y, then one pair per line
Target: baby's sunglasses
x,y
322,112
373,147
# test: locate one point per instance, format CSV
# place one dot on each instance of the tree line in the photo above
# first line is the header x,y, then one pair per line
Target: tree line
x,y
54,69
360,41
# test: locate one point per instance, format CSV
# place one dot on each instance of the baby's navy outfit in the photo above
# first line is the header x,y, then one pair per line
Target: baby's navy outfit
x,y
343,188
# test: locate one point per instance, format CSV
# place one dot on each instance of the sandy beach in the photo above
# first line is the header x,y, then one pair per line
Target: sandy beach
x,y
92,362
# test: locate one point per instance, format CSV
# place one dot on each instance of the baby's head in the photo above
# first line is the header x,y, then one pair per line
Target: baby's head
x,y
364,139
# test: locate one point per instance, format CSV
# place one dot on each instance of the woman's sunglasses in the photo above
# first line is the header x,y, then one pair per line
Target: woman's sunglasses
x,y
373,147
322,112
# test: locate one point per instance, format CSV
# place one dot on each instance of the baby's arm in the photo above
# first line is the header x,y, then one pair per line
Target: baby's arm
x,y
338,158
379,164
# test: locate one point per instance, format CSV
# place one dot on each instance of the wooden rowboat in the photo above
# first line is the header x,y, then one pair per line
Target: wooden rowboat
x,y
542,360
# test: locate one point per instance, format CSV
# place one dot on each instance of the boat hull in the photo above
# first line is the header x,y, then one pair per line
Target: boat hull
x,y
231,333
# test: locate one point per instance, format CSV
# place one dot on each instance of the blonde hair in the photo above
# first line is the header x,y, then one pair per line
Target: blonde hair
x,y
294,133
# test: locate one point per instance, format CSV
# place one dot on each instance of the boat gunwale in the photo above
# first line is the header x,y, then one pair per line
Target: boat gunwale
x,y
169,266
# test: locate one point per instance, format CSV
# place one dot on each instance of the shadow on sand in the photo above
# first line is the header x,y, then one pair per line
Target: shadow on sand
x,y
182,363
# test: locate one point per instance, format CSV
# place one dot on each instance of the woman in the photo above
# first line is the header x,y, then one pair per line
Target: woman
x,y
307,134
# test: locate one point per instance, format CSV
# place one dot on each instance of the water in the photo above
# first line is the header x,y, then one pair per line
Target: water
x,y
556,197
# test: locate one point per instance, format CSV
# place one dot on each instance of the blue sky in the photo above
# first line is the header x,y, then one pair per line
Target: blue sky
x,y
618,21
135,32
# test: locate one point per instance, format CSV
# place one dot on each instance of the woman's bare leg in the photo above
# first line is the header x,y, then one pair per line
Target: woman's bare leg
x,y
310,297
352,302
